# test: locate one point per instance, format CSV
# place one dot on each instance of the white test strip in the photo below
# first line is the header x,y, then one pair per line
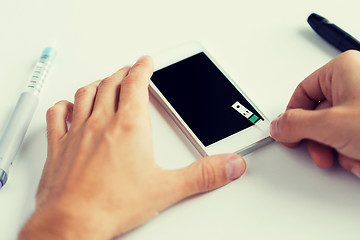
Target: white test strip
x,y
254,119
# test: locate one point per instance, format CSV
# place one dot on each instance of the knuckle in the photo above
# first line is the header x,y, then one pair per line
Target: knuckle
x,y
125,69
62,102
127,124
84,91
207,177
53,111
108,81
97,119
130,121
288,126
92,127
140,64
286,120
134,84
128,79
288,116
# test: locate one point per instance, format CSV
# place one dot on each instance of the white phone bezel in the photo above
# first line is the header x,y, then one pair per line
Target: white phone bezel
x,y
241,142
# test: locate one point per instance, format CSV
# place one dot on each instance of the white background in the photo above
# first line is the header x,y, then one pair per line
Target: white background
x,y
266,46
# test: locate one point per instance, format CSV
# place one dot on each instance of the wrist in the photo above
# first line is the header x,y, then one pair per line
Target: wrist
x,y
56,223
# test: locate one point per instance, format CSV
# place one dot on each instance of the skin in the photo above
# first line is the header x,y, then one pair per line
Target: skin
x,y
100,178
325,110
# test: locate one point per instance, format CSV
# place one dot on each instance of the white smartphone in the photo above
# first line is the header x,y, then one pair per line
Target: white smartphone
x,y
214,114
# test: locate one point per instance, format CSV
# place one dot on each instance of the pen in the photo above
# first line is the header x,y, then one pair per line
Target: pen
x,y
332,33
14,133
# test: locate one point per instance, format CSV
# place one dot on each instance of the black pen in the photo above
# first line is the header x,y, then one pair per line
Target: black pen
x,y
332,33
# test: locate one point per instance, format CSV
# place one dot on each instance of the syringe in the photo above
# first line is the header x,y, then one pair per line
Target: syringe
x,y
20,119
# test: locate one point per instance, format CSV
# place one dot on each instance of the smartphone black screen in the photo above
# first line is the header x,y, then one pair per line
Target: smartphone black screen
x,y
203,97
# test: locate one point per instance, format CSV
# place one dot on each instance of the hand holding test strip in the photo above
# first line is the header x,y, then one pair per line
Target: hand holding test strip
x,y
333,92
324,109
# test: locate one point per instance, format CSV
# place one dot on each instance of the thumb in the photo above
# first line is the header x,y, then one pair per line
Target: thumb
x,y
298,124
210,173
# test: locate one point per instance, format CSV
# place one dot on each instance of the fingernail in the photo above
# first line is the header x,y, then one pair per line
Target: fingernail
x,y
274,131
235,167
355,171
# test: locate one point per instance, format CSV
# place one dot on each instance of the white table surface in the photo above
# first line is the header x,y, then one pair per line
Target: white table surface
x,y
266,46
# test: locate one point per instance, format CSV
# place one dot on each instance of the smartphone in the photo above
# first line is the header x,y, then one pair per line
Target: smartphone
x,y
210,109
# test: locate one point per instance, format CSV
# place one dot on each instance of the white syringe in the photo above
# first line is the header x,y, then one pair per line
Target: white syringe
x,y
20,119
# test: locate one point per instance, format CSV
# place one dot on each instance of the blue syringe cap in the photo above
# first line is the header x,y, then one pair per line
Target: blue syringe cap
x,y
50,52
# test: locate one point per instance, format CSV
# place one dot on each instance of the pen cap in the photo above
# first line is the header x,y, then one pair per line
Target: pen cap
x,y
330,32
314,20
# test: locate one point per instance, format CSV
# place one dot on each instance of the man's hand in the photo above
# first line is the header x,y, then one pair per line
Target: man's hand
x,y
100,178
325,109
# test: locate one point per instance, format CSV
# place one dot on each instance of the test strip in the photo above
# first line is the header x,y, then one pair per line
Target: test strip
x,y
253,118
246,112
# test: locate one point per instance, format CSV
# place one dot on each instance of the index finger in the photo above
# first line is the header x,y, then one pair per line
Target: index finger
x,y
134,87
310,91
